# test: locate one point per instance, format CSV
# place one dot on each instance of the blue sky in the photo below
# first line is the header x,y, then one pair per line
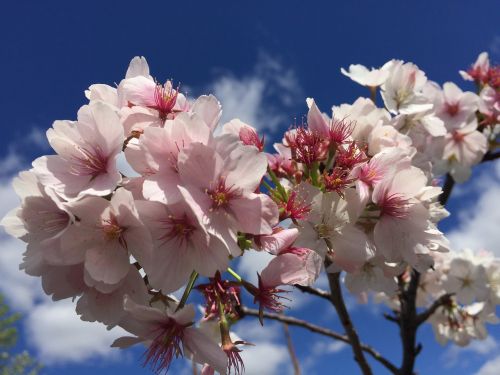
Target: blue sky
x,y
262,59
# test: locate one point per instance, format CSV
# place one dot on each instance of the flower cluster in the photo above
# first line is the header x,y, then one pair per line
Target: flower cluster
x,y
463,289
353,192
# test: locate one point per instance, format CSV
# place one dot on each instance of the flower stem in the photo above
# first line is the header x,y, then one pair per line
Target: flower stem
x,y
187,291
280,187
234,274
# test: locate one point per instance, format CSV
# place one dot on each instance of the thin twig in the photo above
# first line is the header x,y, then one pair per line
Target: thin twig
x,y
391,318
322,331
441,301
314,291
338,302
291,350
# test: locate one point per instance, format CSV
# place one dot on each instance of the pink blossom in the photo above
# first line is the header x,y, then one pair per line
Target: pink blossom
x,y
463,148
360,74
334,131
223,186
364,114
479,71
87,151
155,155
455,107
292,266
107,308
368,175
279,240
328,228
169,334
403,231
181,244
110,231
245,133
489,105
281,163
402,89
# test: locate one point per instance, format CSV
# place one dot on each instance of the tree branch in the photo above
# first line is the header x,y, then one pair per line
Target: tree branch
x,y
391,318
408,322
449,182
338,302
491,156
441,301
291,350
314,291
322,331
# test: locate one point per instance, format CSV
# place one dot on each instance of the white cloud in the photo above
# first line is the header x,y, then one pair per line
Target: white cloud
x,y
11,163
253,262
321,348
479,347
250,330
59,335
495,47
37,138
124,167
266,359
490,368
275,354
261,98
478,225
53,328
22,291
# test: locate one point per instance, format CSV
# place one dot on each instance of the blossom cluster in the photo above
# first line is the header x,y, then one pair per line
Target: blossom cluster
x,y
354,192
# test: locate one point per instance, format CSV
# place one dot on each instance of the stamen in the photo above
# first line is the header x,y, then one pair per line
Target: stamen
x,y
165,99
395,205
165,346
221,194
179,229
90,162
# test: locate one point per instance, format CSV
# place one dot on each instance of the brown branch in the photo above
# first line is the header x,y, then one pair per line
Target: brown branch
x,y
338,302
491,156
291,350
441,301
408,322
322,331
449,182
391,318
314,291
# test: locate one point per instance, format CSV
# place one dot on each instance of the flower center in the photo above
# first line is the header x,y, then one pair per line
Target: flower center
x,y
394,205
179,229
250,138
452,108
220,194
323,230
113,231
90,162
165,345
458,137
165,98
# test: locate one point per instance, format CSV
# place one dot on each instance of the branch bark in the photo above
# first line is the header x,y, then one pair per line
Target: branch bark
x,y
491,156
322,331
441,301
314,291
449,182
408,322
338,302
291,350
